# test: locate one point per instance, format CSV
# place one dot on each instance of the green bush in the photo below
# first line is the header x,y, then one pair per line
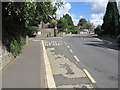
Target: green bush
x,y
15,48
99,30
73,31
32,31
16,45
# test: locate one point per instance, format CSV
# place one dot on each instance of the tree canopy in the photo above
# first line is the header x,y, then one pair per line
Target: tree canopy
x,y
111,19
19,17
69,19
62,24
85,24
82,22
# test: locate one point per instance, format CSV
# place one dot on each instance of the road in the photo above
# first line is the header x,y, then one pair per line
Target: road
x,y
88,52
100,61
73,62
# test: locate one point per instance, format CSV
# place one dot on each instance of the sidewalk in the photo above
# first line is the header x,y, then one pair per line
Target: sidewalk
x,y
27,70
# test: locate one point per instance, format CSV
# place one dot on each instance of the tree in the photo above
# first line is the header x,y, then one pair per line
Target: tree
x,y
98,30
52,24
21,18
85,24
69,22
62,24
111,18
82,22
69,19
89,25
118,27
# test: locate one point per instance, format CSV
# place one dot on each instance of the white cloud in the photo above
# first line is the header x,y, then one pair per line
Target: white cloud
x,y
97,19
63,10
72,15
98,10
81,17
97,16
75,21
119,6
99,7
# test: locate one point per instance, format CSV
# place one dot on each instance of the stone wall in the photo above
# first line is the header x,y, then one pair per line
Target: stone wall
x,y
5,56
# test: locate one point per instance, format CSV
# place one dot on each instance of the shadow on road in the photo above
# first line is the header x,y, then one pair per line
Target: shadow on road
x,y
110,45
85,36
106,42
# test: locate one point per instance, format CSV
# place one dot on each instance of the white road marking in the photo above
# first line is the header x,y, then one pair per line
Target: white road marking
x,y
71,51
110,42
89,76
68,46
76,58
49,75
46,44
98,39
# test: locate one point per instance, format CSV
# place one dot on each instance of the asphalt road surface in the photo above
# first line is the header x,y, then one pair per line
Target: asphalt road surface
x,y
97,58
77,53
94,55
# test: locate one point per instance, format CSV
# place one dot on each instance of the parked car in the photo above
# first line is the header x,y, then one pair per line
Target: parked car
x,y
118,39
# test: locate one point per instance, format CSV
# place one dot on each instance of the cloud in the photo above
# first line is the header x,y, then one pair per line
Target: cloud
x,y
72,15
81,17
98,10
119,6
97,16
97,19
99,7
63,10
75,21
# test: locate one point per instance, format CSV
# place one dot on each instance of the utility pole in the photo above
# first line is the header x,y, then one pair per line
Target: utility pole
x,y
55,29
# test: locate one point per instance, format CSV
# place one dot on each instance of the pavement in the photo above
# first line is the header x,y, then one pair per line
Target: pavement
x,y
27,70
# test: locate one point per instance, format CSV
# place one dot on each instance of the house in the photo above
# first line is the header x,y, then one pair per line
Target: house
x,y
45,25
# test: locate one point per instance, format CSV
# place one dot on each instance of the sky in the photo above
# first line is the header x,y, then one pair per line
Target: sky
x,y
92,11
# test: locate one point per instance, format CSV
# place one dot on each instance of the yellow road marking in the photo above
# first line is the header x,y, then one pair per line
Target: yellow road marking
x,y
89,76
49,75
76,58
